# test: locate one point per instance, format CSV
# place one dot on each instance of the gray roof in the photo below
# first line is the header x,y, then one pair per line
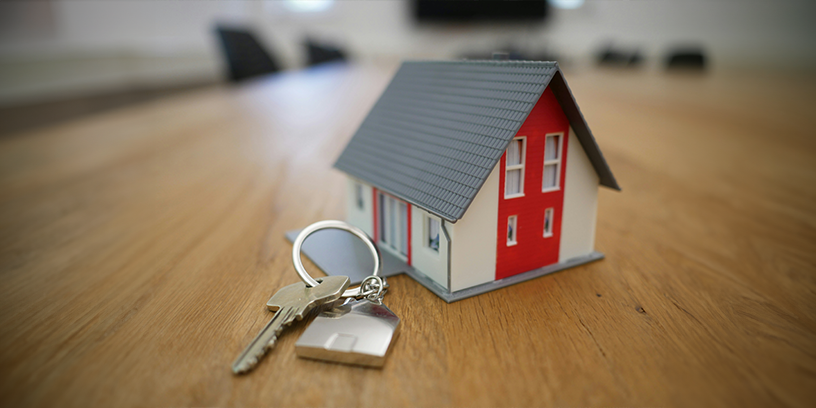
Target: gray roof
x,y
440,127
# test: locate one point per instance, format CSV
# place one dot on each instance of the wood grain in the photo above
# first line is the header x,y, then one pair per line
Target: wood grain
x,y
139,247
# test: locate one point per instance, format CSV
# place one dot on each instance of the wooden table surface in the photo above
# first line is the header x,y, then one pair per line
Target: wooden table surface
x,y
139,247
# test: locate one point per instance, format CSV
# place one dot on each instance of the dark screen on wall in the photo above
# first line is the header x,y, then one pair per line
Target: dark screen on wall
x,y
481,10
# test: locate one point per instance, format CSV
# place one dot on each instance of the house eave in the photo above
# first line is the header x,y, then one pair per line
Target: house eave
x,y
409,201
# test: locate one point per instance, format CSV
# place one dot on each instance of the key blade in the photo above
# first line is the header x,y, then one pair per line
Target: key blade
x,y
263,342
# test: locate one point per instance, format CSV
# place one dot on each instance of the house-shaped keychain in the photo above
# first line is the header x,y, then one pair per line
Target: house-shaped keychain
x,y
474,175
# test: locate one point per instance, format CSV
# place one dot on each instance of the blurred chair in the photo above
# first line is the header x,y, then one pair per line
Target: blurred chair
x,y
319,53
245,56
610,56
686,58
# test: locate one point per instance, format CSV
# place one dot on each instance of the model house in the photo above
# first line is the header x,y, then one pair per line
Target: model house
x,y
477,174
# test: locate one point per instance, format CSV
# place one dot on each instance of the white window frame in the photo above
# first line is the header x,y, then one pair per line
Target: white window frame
x,y
427,231
508,167
551,211
556,162
385,214
359,201
514,220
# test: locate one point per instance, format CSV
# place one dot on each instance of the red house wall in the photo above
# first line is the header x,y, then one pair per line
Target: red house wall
x,y
533,250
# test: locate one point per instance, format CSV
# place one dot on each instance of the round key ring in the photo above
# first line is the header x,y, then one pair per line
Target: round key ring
x,y
340,225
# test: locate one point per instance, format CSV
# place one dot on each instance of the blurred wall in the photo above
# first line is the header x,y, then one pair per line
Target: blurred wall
x,y
60,48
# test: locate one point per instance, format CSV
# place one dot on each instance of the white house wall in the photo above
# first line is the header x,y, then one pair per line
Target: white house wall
x,y
580,204
431,263
473,260
360,218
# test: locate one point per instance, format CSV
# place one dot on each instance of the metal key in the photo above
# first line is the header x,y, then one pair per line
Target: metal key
x,y
290,303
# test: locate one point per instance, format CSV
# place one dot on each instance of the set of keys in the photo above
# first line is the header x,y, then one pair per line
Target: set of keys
x,y
354,327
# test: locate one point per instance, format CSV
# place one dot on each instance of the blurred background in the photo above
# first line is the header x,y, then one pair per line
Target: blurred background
x,y
64,58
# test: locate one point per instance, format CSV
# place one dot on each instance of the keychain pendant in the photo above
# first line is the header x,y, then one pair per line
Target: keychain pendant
x,y
359,332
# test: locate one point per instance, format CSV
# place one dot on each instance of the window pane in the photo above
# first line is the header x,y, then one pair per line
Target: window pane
x,y
548,222
403,219
358,191
511,230
514,153
550,175
512,183
433,234
551,148
391,222
382,217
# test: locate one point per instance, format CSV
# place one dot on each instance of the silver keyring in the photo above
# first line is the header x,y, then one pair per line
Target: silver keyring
x,y
333,224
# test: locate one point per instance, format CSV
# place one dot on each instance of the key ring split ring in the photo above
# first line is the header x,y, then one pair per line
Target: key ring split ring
x,y
340,225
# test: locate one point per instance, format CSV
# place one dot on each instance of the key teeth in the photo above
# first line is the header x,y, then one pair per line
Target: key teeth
x,y
242,369
247,365
250,363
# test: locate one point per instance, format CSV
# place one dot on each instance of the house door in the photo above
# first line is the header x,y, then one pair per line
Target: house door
x,y
393,225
